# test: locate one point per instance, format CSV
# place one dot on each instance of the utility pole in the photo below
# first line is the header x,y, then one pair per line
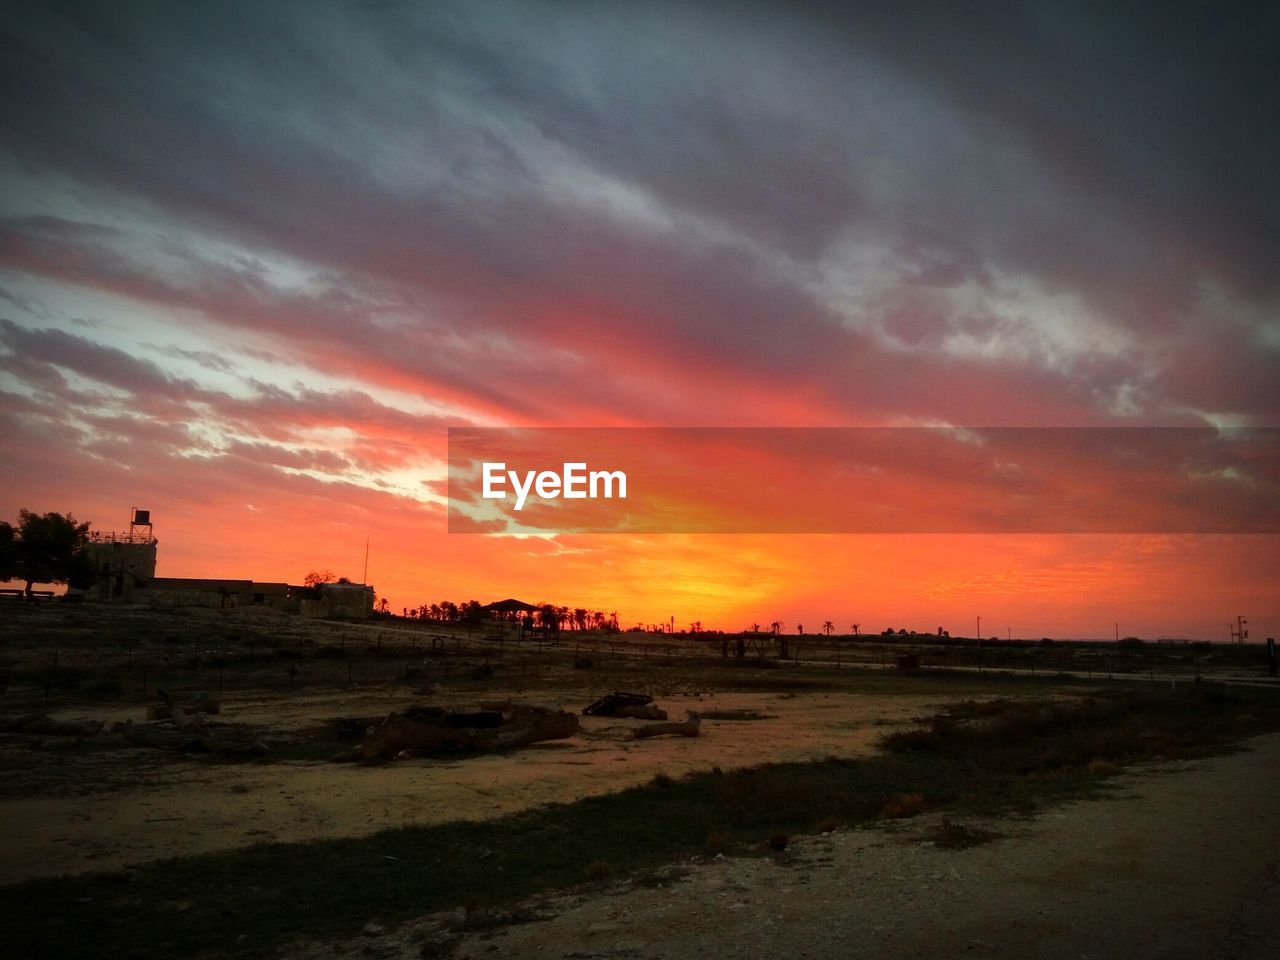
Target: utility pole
x,y
1238,633
979,644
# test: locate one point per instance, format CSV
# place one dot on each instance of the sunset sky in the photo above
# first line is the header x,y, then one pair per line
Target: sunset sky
x,y
255,259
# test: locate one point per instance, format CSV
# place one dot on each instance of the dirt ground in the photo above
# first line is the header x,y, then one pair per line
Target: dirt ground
x,y
201,805
1179,861
69,807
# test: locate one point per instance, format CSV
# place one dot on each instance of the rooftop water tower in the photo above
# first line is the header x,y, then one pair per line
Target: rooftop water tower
x,y
140,526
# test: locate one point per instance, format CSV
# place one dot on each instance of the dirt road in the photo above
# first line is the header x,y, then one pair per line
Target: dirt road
x,y
1179,861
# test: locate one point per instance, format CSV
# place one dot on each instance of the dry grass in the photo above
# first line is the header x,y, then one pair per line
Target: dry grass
x,y
904,805
953,835
1093,734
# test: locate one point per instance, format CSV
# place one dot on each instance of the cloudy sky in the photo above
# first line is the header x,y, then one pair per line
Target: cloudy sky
x,y
256,258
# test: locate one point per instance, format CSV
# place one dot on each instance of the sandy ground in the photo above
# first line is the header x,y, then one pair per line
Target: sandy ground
x,y
193,806
1179,861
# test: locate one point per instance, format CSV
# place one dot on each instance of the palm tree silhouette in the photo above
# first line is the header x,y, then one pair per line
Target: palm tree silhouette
x,y
855,629
827,627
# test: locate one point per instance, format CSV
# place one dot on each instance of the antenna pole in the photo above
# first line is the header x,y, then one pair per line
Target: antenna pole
x,y
365,576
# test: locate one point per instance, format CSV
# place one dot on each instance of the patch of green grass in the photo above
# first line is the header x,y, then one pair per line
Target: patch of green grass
x,y
246,903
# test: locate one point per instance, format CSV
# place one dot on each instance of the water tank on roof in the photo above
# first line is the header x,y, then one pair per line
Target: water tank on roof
x,y
141,516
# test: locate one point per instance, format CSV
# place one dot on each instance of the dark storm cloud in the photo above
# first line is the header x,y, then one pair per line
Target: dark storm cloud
x,y
1164,115
606,186
105,364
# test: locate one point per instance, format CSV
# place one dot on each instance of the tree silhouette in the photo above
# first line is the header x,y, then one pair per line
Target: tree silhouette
x,y
547,617
8,551
855,629
827,627
45,548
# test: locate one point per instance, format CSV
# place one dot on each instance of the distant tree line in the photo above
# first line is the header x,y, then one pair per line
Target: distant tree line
x,y
447,611
548,616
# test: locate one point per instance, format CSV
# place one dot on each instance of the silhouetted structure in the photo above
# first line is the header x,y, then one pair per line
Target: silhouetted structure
x,y
124,568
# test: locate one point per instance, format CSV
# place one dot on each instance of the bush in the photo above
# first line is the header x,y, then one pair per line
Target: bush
x,y
599,871
1020,738
904,805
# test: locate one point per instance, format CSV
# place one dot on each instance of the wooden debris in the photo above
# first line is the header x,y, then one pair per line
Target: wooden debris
x,y
168,738
685,728
42,723
650,711
202,703
636,705
428,731
182,726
